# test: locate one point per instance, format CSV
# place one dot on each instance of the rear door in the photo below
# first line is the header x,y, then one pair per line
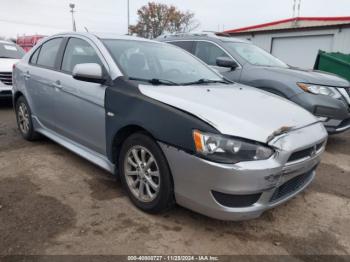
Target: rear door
x,y
80,105
39,76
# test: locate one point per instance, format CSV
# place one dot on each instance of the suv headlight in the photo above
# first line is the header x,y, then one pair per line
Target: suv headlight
x,y
320,90
222,149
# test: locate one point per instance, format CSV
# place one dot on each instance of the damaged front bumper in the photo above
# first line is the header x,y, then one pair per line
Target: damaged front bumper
x,y
245,190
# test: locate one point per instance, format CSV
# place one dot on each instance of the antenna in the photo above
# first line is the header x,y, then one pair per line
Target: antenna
x,y
87,30
299,8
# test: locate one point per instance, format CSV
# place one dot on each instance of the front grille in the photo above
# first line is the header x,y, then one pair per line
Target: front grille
x,y
229,200
6,78
308,152
291,186
5,93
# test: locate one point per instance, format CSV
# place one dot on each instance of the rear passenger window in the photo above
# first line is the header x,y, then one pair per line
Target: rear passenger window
x,y
34,58
48,53
187,45
78,51
208,52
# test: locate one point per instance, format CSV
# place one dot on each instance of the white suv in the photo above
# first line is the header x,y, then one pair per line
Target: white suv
x,y
10,53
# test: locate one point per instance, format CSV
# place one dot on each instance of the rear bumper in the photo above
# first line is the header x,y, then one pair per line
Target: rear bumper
x,y
272,181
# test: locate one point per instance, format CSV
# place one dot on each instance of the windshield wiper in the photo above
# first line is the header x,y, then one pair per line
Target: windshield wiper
x,y
155,81
7,57
205,81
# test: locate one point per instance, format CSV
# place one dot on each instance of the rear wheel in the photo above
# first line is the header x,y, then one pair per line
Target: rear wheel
x,y
145,174
24,120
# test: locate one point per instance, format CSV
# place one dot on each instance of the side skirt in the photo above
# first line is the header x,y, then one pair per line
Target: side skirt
x,y
96,158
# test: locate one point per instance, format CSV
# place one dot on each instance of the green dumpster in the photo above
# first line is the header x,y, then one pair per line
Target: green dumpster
x,y
336,63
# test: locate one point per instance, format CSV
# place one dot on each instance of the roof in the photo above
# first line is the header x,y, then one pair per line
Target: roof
x,y
200,36
293,23
104,36
120,37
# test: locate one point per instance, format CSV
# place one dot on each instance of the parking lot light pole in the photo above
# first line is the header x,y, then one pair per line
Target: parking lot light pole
x,y
128,10
72,6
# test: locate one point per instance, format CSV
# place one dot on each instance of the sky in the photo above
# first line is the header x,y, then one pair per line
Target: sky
x,y
18,17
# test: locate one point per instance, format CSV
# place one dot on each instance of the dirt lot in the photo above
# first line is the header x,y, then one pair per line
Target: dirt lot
x,y
54,202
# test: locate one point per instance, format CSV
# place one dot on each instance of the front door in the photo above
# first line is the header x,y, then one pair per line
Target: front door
x,y
80,105
209,52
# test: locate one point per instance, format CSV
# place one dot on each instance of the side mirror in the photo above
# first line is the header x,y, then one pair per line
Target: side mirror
x,y
89,72
226,62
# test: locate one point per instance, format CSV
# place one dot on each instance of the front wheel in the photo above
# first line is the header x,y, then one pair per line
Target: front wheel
x,y
145,174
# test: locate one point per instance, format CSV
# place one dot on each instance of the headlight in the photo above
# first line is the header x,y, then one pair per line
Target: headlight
x,y
229,150
320,90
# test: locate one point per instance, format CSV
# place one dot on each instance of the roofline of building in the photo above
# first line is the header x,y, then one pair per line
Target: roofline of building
x,y
245,29
323,27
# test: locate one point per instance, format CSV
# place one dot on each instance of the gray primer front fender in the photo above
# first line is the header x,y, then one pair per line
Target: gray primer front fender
x,y
126,106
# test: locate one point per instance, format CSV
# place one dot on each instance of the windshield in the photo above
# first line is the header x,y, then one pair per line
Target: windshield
x,y
254,55
150,61
9,50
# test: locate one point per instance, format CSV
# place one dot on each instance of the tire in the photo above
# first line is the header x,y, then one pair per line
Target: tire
x,y
24,120
152,199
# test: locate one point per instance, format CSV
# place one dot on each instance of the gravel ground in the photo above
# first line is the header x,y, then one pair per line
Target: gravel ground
x,y
54,202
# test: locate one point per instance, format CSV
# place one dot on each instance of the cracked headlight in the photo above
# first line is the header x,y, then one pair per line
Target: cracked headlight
x,y
320,90
222,149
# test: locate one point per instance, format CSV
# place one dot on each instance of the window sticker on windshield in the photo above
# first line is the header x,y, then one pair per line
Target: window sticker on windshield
x,y
10,47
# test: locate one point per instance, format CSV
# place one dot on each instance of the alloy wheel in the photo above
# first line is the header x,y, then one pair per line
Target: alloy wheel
x,y
23,118
142,173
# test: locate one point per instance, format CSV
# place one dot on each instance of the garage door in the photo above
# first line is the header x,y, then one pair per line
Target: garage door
x,y
301,51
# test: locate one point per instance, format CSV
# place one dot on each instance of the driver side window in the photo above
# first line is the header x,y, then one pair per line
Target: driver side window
x,y
78,51
208,52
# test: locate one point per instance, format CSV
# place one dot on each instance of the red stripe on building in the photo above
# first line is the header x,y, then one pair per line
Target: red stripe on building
x,y
339,18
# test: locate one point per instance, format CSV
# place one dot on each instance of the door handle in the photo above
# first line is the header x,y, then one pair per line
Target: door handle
x,y
26,75
57,84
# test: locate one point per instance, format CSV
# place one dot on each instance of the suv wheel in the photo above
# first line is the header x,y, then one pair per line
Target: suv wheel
x,y
24,120
145,174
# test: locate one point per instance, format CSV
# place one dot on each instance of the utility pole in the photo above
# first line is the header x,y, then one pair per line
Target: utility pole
x,y
128,10
72,6
294,5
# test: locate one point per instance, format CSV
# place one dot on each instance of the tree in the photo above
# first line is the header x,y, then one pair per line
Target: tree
x,y
155,19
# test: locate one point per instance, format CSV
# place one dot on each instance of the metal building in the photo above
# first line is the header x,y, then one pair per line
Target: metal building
x,y
297,40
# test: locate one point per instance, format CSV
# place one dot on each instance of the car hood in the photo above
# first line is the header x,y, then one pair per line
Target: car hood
x,y
235,110
6,64
310,76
